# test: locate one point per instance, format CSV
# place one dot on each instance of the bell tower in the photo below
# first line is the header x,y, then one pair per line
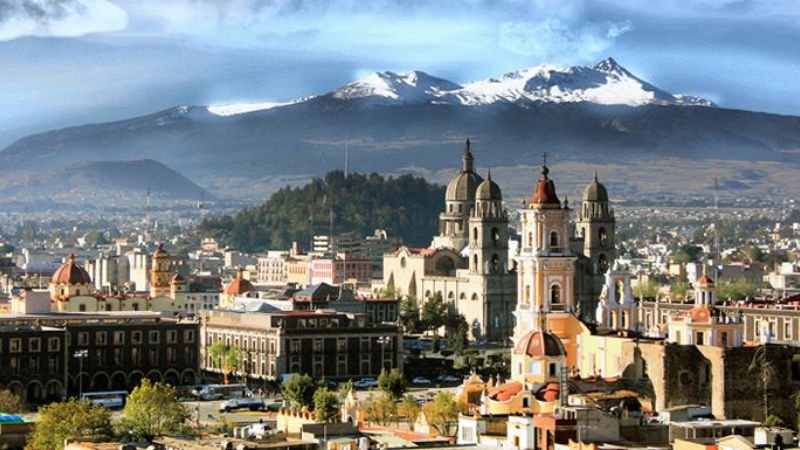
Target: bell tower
x,y
488,228
596,228
545,264
160,273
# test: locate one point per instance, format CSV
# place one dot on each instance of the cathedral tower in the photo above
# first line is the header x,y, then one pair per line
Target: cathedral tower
x,y
160,273
459,198
488,222
595,228
546,268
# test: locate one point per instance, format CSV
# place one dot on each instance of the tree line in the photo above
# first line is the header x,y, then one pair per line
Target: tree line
x,y
408,205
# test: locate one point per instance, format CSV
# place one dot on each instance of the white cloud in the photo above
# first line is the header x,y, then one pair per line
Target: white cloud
x,y
557,41
61,18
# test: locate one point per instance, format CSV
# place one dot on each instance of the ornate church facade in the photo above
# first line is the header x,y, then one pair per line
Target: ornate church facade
x,y
467,263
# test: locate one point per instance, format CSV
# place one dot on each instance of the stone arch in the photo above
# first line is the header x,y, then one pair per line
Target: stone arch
x,y
155,376
34,392
54,391
135,378
602,263
172,377
16,387
602,236
119,381
100,382
444,265
495,263
495,236
555,294
554,240
188,377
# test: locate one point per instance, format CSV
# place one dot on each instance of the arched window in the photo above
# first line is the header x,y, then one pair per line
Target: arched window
x,y
475,234
530,239
527,293
553,239
495,236
475,263
463,296
555,294
602,262
474,296
602,236
495,263
451,296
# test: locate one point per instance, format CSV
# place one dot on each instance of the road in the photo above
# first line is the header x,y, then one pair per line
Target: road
x,y
208,411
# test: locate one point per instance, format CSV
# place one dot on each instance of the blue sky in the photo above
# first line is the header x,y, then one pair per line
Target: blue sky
x,y
67,62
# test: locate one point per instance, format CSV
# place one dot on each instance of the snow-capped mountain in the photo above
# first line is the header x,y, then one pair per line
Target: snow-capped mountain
x,y
605,83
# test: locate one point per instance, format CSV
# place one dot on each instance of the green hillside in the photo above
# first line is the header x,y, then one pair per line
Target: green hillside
x,y
407,205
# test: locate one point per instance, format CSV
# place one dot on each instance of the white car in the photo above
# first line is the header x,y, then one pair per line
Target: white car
x,y
420,381
446,378
366,383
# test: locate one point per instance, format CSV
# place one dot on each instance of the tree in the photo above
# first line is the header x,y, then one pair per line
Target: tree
x,y
58,421
299,391
381,410
392,383
773,421
326,405
410,409
227,358
738,290
344,389
152,410
645,290
409,314
442,413
678,290
457,330
11,403
766,373
434,312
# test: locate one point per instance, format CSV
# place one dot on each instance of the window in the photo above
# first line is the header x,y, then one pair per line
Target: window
x,y
154,337
172,337
555,294
34,365
16,345
602,236
100,338
495,264
553,240
13,363
118,356
34,345
724,338
135,307
495,236
699,338
294,344
188,336
136,337
475,234
53,344
153,356
52,364
82,308
83,338
100,356
552,369
317,345
136,356
119,338
172,356
341,345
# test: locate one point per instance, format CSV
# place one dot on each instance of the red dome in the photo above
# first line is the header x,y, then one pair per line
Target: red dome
x,y
536,343
705,279
71,273
239,285
545,193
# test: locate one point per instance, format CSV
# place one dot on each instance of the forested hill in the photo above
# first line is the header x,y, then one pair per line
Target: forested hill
x,y
407,205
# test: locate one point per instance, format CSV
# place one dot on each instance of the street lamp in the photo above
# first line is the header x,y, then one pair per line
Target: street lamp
x,y
383,340
81,355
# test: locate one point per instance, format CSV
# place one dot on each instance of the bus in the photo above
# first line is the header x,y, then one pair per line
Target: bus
x,y
109,399
223,391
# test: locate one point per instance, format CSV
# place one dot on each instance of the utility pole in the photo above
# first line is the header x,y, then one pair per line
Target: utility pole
x,y
81,355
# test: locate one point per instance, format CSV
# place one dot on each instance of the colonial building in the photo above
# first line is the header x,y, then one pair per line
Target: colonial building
x,y
38,352
71,290
322,344
467,263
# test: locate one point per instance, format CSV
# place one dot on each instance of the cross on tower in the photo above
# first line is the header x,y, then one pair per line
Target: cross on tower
x,y
544,158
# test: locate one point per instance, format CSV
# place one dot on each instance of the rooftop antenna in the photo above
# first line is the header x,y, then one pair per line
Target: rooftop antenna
x,y
718,262
347,155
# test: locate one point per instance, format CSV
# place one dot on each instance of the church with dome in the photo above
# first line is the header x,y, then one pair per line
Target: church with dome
x,y
467,264
71,290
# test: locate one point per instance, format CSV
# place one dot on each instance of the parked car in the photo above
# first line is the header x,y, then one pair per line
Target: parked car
x,y
447,378
418,381
253,404
366,383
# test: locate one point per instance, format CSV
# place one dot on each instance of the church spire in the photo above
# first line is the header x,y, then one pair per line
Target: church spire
x,y
468,159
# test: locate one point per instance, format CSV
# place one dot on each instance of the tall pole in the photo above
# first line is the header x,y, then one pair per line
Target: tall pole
x,y
80,354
